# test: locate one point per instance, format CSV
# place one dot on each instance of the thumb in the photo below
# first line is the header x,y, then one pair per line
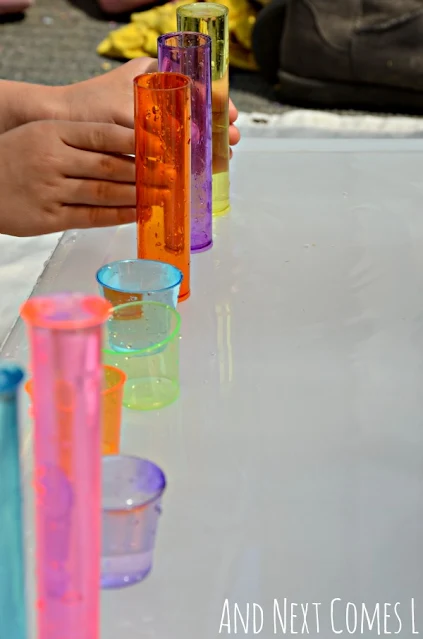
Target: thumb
x,y
124,115
138,66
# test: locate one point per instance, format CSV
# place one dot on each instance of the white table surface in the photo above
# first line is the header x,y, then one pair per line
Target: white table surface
x,y
294,456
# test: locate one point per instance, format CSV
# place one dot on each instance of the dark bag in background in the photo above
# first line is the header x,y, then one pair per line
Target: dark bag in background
x,y
349,54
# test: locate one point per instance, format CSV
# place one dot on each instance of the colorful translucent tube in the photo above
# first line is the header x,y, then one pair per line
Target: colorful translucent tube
x,y
163,170
212,19
190,54
65,335
12,574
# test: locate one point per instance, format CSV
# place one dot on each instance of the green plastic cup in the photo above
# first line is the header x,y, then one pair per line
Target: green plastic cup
x,y
142,339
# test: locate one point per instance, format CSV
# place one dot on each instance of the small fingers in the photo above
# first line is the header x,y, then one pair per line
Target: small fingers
x,y
150,119
234,135
103,138
83,217
153,196
99,166
148,145
233,112
153,173
99,193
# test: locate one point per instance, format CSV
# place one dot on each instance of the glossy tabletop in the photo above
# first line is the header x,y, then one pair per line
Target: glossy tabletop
x,y
294,455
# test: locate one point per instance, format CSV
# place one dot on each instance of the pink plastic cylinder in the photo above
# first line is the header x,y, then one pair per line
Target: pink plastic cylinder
x,y
65,334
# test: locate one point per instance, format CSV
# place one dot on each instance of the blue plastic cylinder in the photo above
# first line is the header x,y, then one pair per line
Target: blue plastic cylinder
x,y
12,572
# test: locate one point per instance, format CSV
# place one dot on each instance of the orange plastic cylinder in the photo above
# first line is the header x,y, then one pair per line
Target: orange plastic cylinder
x,y
163,170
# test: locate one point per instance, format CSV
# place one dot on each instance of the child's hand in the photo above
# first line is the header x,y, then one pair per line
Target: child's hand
x,y
58,175
110,98
234,134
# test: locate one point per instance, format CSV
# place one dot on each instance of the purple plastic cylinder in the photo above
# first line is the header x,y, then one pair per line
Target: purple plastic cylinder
x,y
190,54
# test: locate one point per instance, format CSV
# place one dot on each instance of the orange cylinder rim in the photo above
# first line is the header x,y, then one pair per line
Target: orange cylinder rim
x,y
162,81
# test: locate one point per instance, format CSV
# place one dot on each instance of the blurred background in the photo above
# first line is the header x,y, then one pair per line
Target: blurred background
x,y
57,42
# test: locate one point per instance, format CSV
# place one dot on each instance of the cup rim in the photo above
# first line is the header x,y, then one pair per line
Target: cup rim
x,y
11,376
161,40
158,345
118,384
142,504
34,311
186,81
177,271
221,10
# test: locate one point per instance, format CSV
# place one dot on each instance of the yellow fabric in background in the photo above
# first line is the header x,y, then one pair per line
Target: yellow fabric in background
x,y
139,38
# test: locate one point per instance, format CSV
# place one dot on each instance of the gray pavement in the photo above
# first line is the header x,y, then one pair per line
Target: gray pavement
x,y
55,43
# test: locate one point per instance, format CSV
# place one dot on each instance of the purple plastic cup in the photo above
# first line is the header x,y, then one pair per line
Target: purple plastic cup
x,y
190,54
132,494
